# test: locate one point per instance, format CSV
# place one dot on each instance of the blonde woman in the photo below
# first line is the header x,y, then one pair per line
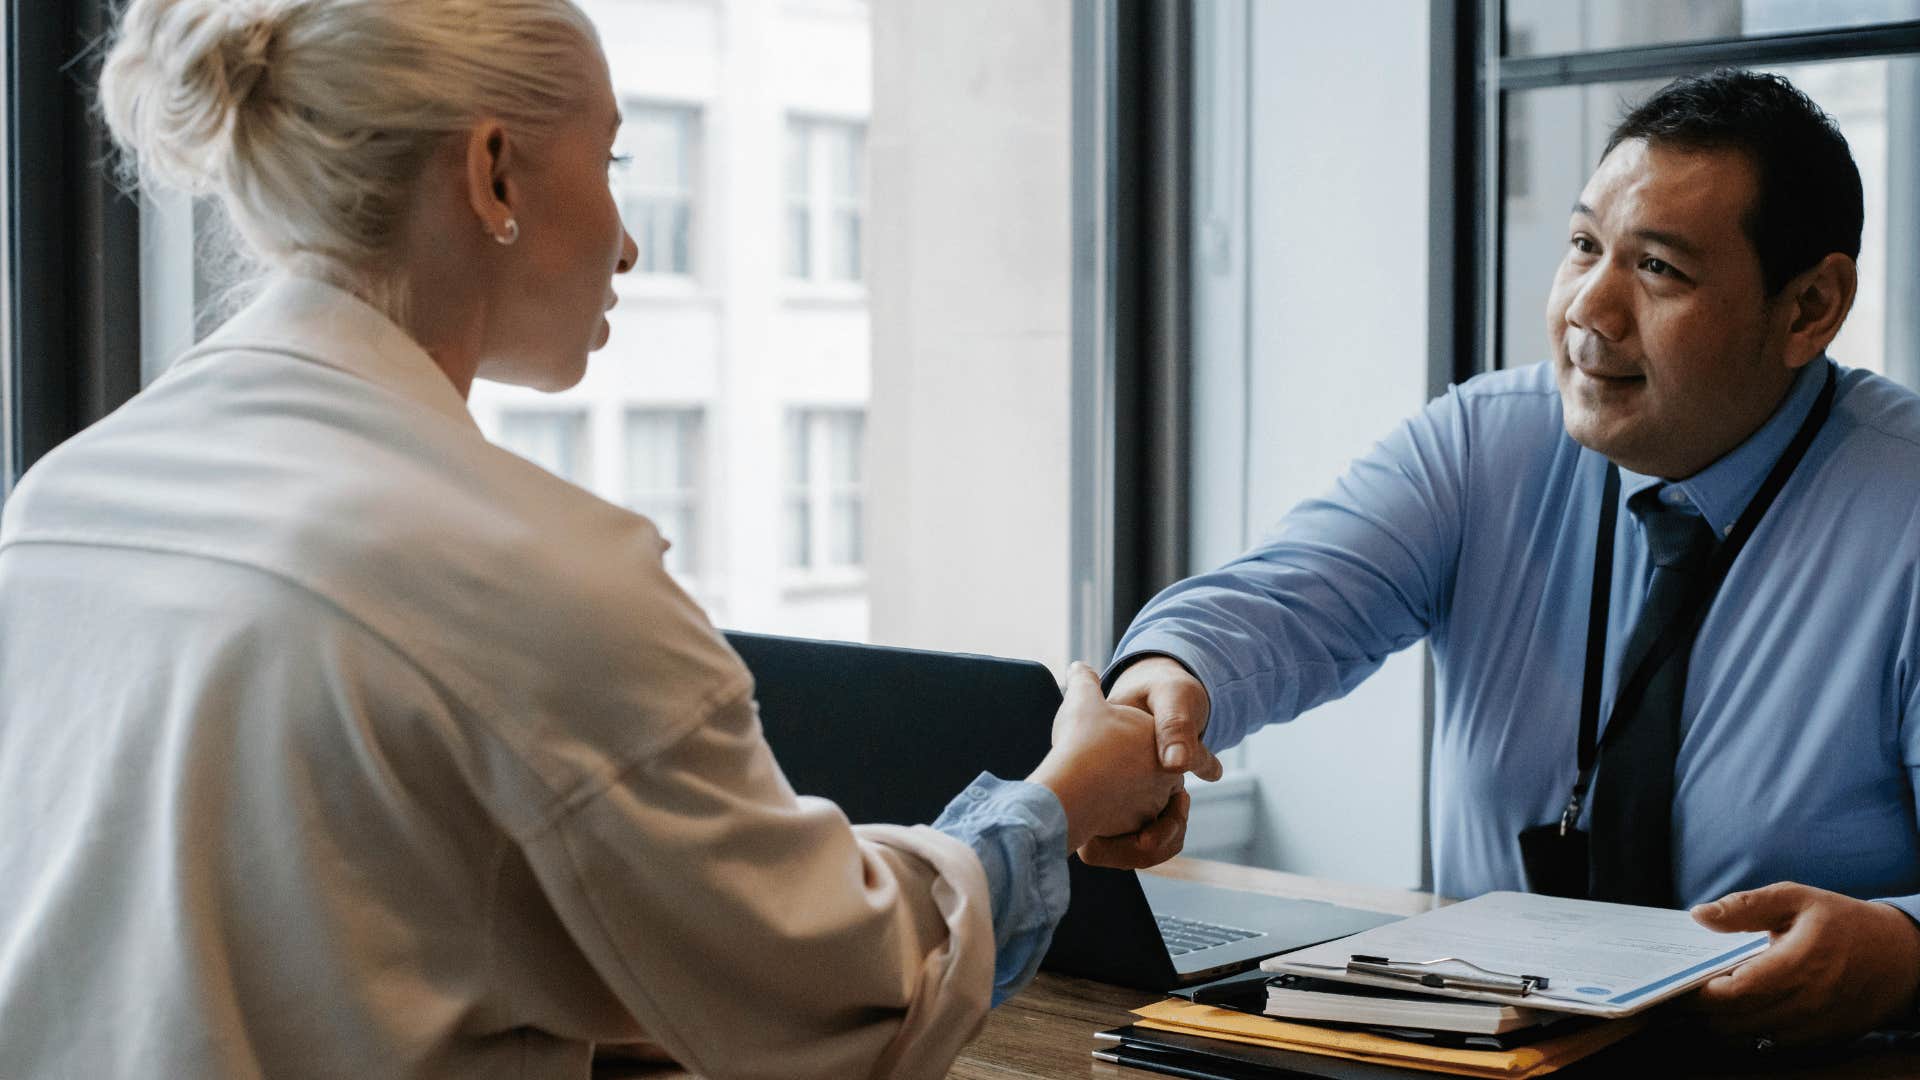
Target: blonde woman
x,y
337,742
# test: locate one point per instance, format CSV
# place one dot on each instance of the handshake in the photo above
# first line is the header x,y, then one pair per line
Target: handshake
x,y
1119,765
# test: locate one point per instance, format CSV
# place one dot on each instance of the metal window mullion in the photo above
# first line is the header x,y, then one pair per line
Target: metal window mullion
x,y
1660,61
73,239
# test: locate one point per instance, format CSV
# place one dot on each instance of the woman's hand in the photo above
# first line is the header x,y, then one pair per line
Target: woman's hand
x,y
1105,766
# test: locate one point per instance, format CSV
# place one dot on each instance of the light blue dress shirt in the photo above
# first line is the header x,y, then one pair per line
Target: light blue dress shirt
x,y
1473,525
1019,830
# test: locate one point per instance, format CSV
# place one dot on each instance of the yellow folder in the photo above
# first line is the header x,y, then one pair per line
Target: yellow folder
x,y
1535,1059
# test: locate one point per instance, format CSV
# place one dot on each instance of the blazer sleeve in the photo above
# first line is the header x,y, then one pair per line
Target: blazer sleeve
x,y
754,933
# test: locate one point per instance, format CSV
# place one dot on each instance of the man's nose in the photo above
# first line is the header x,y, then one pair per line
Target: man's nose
x,y
1599,305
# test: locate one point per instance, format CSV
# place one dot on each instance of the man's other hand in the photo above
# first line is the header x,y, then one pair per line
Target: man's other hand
x,y
1103,765
1837,967
1179,706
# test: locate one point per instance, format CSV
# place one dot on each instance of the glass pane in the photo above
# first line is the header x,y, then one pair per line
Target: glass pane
x,y
1539,27
658,142
799,241
555,441
843,448
720,101
655,187
798,178
1554,139
846,246
846,150
843,531
799,448
799,532
663,453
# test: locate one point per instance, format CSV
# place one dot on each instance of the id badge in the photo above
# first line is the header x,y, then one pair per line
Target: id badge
x,y
1555,861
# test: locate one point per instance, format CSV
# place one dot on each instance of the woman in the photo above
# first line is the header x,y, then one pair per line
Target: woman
x,y
338,742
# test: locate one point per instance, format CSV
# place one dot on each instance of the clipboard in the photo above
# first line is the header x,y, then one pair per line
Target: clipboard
x,y
1543,952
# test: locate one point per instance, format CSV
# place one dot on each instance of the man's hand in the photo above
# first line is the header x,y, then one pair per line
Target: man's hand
x,y
1179,706
1837,967
1161,840
1103,766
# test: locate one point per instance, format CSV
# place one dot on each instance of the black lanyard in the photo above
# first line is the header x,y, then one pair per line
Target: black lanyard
x,y
1681,628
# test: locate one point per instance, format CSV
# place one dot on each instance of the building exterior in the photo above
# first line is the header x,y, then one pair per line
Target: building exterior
x,y
730,404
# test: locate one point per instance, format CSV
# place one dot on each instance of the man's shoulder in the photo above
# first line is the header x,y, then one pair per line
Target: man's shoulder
x,y
1506,416
1530,382
1880,412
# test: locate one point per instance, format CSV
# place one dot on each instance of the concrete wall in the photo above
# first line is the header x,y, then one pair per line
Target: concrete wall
x,y
971,302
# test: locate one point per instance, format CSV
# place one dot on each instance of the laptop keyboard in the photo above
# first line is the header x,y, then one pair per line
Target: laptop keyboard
x,y
1188,935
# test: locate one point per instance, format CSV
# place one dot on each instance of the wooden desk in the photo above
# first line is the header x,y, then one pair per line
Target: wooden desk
x,y
1046,1031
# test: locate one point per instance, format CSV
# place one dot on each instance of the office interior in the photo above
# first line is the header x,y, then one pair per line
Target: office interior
x,y
967,326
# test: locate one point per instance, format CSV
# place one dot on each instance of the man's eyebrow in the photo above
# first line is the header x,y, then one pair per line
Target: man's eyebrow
x,y
1666,239
1672,240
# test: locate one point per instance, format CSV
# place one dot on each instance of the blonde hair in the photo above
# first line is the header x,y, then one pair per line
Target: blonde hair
x,y
311,120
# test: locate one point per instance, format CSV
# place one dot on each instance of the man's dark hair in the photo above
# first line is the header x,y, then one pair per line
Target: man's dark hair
x,y
1809,204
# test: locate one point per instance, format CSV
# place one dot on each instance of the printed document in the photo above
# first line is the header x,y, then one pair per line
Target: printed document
x,y
1595,958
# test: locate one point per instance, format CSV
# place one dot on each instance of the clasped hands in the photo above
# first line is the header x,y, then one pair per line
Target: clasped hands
x,y
1119,763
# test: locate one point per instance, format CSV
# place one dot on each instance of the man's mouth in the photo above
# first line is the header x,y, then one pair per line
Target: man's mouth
x,y
1610,377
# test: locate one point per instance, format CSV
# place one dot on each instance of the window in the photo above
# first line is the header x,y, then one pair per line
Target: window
x,y
1627,23
774,259
826,195
655,185
663,479
1560,122
553,439
825,493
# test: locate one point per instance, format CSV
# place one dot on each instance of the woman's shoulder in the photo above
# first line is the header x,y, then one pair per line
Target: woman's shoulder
x,y
534,603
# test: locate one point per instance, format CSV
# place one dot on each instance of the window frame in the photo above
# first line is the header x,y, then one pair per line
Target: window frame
x,y
581,419
1477,77
690,430
823,205
72,325
818,491
691,118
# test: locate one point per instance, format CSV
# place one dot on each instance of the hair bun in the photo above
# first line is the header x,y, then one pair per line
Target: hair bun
x,y
181,76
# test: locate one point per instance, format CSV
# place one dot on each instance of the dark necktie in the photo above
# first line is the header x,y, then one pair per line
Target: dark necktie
x,y
1630,859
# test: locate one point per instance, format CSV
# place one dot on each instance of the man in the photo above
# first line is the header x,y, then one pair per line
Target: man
x,y
1760,715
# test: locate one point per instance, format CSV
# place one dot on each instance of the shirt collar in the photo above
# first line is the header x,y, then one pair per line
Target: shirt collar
x,y
1721,491
312,320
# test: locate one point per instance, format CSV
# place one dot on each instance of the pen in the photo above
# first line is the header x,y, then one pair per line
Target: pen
x,y
1413,971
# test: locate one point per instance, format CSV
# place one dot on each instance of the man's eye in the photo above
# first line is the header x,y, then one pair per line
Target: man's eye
x,y
1658,266
1584,245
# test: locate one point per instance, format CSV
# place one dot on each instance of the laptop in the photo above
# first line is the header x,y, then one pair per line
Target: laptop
x,y
891,735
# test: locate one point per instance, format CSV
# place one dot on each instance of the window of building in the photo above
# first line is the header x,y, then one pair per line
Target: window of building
x,y
655,184
554,439
665,465
826,199
1558,109
826,496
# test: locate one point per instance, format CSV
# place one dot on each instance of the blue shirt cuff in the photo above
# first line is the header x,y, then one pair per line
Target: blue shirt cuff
x,y
1019,831
1223,730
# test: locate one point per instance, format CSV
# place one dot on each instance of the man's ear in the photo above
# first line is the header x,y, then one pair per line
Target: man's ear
x,y
1814,305
491,189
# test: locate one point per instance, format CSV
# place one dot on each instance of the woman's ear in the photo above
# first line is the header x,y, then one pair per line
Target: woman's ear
x,y
491,189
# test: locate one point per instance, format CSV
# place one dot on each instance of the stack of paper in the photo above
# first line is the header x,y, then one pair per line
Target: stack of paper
x,y
1535,1059
1300,997
1497,963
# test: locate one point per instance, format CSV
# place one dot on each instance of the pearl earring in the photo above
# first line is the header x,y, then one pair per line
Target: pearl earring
x,y
510,236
